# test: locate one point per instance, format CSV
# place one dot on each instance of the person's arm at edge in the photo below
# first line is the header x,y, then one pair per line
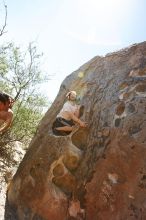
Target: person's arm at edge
x,y
7,123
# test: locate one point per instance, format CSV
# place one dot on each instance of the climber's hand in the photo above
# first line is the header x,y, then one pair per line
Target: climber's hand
x,y
83,124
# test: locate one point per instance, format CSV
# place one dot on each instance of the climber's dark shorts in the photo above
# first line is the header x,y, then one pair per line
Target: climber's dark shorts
x,y
61,122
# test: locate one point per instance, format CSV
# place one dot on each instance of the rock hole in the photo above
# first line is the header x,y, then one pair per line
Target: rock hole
x,y
132,147
117,122
142,72
123,86
141,88
79,138
104,156
120,108
133,130
33,172
58,170
141,185
71,162
126,95
131,108
66,183
144,177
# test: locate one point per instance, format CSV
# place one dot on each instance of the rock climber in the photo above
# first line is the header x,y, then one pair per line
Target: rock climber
x,y
68,116
6,113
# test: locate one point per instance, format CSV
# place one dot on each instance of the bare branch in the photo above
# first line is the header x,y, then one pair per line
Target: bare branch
x,y
2,30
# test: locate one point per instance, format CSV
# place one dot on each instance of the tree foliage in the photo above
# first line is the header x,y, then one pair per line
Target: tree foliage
x,y
21,76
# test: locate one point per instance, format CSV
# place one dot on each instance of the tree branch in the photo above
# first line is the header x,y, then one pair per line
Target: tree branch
x,y
2,30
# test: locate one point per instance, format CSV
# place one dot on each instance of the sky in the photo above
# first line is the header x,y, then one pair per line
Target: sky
x,y
71,32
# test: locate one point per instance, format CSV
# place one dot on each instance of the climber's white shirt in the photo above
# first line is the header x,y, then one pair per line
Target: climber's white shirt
x,y
69,106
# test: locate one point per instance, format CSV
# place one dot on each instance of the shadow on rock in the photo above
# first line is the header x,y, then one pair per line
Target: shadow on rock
x,y
10,212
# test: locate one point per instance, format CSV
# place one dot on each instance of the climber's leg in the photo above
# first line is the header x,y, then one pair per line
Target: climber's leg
x,y
64,128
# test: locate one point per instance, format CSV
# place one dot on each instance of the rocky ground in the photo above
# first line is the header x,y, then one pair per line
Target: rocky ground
x,y
8,167
3,187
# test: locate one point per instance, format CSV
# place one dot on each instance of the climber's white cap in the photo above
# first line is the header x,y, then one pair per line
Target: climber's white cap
x,y
73,93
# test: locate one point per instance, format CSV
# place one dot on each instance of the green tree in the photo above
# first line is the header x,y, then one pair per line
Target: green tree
x,y
21,76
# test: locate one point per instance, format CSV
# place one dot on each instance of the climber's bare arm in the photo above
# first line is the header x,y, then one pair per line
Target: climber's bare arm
x,y
77,120
7,118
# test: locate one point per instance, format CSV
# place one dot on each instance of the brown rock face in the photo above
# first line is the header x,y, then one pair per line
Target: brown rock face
x,y
117,189
98,172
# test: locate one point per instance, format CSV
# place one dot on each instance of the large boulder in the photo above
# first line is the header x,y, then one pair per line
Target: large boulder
x,y
98,172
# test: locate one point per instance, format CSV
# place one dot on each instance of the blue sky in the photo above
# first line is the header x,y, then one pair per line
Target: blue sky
x,y
71,32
